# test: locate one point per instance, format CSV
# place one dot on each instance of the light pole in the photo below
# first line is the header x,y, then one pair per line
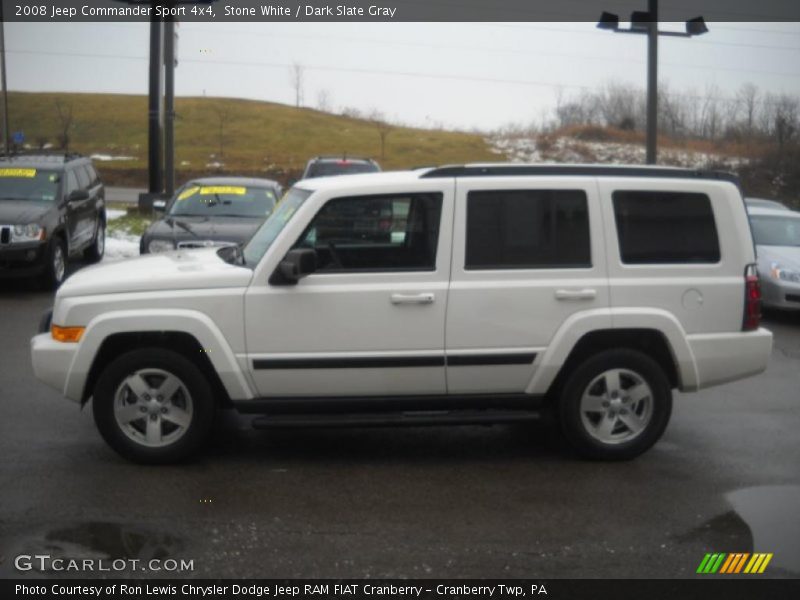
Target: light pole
x,y
646,23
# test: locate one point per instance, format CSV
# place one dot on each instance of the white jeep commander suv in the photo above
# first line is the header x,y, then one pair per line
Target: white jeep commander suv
x,y
465,294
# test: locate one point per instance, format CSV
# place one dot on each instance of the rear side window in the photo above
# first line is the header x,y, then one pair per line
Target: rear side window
x,y
527,229
376,233
665,228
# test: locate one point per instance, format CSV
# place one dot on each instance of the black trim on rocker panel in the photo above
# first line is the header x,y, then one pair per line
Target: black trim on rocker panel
x,y
377,362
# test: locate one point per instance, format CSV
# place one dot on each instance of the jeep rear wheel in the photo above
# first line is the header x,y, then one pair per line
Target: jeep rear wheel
x,y
615,405
153,406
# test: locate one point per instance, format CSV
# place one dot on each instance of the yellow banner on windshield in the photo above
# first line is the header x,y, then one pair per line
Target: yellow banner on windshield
x,y
17,172
187,193
214,190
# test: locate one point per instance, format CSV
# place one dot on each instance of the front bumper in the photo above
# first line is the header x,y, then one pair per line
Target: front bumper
x,y
22,260
780,294
52,361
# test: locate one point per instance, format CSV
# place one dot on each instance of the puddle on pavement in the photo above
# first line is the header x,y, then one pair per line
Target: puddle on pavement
x,y
99,540
773,515
761,519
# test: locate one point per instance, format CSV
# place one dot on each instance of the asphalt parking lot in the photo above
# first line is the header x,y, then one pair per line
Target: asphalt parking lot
x,y
459,502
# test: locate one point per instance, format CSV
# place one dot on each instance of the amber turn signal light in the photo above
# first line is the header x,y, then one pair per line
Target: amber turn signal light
x,y
67,334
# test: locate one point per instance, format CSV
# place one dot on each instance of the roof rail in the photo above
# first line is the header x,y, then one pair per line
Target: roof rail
x,y
51,154
496,170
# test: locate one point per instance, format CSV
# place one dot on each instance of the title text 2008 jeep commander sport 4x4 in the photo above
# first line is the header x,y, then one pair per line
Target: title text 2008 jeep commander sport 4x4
x,y
472,294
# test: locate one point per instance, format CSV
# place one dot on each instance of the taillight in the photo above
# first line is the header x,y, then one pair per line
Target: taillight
x,y
752,299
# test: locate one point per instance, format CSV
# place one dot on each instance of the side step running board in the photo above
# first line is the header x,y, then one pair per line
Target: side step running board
x,y
396,419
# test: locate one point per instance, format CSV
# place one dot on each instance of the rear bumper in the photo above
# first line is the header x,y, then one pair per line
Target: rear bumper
x,y
52,361
724,357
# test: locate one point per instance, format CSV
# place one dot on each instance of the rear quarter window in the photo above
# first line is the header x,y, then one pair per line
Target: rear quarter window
x,y
656,227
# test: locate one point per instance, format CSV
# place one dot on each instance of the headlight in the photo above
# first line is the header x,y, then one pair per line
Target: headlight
x,y
27,233
160,246
781,273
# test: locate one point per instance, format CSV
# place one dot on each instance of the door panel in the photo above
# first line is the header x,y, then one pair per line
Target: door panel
x,y
527,269
356,327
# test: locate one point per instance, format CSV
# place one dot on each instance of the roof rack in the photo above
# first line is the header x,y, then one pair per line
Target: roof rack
x,y
45,155
496,170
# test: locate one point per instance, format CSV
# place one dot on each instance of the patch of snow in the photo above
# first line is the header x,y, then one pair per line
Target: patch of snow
x,y
110,157
120,245
115,213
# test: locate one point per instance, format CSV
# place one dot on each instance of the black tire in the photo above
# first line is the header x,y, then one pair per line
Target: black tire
x,y
201,402
583,431
95,252
53,275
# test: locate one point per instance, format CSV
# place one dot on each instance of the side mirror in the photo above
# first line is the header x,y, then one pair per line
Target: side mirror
x,y
295,265
159,205
78,196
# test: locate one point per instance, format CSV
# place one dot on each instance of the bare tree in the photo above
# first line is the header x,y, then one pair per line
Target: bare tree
x,y
297,78
223,118
748,98
324,100
64,112
383,128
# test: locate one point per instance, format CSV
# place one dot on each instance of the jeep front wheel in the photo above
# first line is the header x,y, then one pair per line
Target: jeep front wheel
x,y
153,406
615,405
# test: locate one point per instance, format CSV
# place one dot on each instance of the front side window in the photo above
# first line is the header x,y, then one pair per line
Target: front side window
x,y
527,229
376,233
665,228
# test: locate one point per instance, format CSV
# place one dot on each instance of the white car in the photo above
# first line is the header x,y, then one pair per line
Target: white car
x,y
465,294
777,236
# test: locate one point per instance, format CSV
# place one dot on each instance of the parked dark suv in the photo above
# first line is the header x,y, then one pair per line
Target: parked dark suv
x,y
52,208
325,166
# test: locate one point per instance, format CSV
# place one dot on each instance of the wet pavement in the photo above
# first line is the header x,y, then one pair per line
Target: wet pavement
x,y
434,502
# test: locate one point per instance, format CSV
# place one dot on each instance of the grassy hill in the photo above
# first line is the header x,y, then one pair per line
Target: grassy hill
x,y
258,137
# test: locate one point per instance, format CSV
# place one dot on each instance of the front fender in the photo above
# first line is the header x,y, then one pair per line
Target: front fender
x,y
191,322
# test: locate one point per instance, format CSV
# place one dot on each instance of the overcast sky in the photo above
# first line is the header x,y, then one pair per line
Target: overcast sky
x,y
457,74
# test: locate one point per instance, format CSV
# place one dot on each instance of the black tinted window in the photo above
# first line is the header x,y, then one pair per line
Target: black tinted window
x,y
376,233
665,228
527,229
94,178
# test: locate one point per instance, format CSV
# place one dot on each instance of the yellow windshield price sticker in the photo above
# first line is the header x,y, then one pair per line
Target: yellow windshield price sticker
x,y
17,172
188,193
216,190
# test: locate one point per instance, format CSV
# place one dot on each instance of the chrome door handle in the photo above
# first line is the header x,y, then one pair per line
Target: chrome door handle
x,y
412,298
584,294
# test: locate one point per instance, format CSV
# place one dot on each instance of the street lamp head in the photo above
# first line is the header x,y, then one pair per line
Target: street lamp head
x,y
608,21
696,26
640,20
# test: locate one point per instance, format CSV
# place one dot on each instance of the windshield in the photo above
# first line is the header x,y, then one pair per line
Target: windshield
x,y
196,200
28,184
340,167
776,231
263,238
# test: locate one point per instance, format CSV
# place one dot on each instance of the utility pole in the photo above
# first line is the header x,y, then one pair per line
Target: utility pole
x,y
169,106
652,82
3,79
154,114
